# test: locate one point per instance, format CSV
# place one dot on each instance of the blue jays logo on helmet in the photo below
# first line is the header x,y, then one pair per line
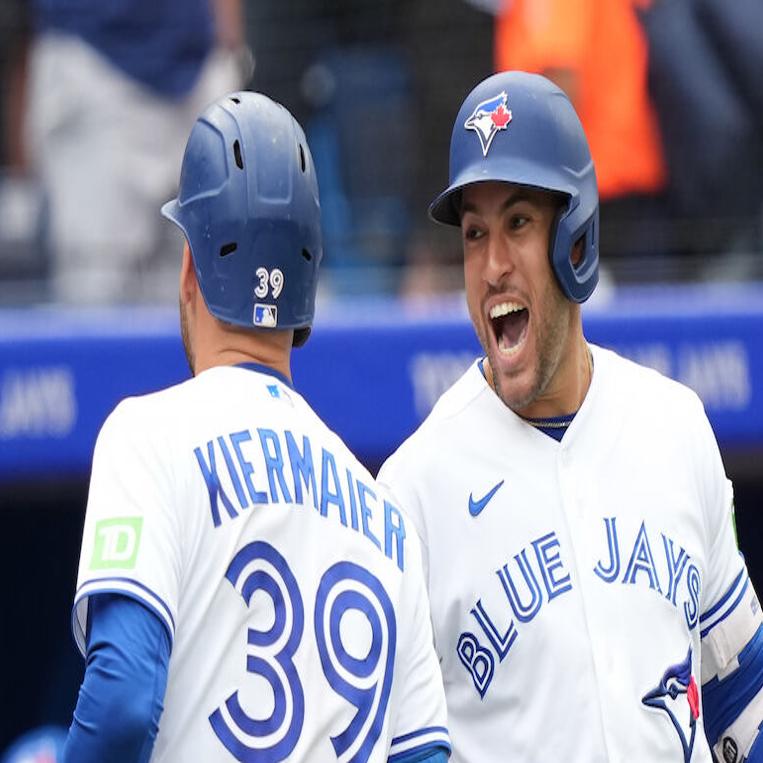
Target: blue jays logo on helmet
x,y
488,118
678,697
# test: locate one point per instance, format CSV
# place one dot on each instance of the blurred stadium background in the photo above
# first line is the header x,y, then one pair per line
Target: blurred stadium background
x,y
376,86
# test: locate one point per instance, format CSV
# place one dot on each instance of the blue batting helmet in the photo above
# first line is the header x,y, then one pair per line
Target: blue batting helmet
x,y
248,206
520,128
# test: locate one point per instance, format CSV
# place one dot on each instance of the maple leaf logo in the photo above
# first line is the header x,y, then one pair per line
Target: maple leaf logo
x,y
501,117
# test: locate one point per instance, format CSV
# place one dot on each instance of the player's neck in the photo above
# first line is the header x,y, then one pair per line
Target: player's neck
x,y
230,346
235,357
568,387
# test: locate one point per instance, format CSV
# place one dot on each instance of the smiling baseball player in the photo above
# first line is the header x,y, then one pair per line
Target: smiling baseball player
x,y
588,598
246,591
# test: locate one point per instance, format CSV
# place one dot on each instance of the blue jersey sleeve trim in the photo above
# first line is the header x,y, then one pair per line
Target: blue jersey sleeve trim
x,y
733,606
96,581
428,754
127,587
724,700
710,612
121,697
423,741
418,733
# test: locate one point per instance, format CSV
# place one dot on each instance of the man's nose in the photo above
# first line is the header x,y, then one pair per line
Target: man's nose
x,y
499,261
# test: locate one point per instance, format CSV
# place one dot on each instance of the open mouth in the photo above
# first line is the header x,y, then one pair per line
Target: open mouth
x,y
509,321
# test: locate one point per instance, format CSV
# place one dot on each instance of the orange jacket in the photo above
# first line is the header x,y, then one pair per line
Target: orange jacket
x,y
601,44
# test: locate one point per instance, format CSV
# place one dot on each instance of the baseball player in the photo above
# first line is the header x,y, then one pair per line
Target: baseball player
x,y
588,598
246,591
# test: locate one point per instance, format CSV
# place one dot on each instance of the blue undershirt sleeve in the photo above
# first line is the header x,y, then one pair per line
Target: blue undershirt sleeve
x,y
121,698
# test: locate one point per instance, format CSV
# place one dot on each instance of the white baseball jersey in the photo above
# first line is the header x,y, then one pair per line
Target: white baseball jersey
x,y
289,582
572,582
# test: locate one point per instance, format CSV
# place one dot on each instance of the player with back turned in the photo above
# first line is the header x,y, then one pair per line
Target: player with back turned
x,y
246,591
588,598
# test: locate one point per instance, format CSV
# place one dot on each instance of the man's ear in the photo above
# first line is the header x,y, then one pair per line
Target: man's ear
x,y
188,283
577,253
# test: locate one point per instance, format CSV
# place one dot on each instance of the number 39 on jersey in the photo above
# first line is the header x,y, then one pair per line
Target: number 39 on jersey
x,y
364,682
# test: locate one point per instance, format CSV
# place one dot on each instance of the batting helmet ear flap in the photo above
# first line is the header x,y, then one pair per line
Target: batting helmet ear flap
x,y
577,280
301,336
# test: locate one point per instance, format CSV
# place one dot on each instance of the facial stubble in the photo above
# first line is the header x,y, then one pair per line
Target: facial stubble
x,y
551,340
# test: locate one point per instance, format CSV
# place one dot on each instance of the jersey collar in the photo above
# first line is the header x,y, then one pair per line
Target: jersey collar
x,y
262,369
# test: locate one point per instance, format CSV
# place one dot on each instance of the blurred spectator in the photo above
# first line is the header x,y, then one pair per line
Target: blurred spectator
x,y
346,62
596,51
448,52
370,83
710,107
113,89
736,31
14,33
22,255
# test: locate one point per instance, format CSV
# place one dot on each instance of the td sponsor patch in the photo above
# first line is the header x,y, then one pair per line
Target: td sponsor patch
x,y
116,543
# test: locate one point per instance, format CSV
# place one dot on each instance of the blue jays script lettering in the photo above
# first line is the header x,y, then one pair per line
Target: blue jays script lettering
x,y
536,575
294,474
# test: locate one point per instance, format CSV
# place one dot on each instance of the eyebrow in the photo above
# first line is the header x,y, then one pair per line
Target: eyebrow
x,y
513,198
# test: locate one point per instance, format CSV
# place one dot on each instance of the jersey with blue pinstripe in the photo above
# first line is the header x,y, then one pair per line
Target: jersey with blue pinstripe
x,y
285,576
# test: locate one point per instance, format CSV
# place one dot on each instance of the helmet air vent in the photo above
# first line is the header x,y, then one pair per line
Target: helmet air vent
x,y
237,155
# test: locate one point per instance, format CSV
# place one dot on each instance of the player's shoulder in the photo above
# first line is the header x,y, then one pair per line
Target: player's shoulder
x,y
156,405
150,417
207,394
644,387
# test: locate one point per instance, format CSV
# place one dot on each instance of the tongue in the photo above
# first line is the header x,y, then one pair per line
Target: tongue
x,y
511,328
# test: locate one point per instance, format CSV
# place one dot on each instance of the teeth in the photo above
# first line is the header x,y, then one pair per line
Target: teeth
x,y
504,309
504,350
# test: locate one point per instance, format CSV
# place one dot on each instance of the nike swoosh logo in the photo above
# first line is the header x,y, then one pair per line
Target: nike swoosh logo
x,y
475,507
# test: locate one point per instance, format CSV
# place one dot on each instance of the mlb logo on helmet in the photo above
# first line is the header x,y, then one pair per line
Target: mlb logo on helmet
x,y
488,118
265,316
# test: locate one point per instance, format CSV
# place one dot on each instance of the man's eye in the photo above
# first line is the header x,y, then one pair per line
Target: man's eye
x,y
517,221
472,234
